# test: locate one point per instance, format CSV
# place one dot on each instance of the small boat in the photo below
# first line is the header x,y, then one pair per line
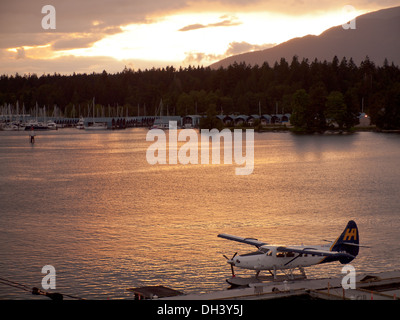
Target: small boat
x,y
36,125
80,124
11,126
52,125
96,126
160,124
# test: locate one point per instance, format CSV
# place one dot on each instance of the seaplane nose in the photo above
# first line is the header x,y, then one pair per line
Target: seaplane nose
x,y
231,261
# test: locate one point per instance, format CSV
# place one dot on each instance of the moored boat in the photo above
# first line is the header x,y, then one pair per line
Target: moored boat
x,y
96,126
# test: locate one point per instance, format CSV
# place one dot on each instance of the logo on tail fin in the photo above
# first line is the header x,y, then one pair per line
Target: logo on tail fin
x,y
350,234
348,242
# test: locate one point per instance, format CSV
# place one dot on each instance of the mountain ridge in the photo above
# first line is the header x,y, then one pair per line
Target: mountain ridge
x,y
375,36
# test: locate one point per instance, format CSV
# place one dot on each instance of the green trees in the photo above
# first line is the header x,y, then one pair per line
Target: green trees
x,y
211,121
388,116
317,93
336,110
301,117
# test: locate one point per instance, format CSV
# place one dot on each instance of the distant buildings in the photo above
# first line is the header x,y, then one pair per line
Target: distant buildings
x,y
243,120
365,120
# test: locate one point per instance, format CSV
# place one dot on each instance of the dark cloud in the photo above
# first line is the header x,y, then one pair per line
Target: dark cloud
x,y
81,41
225,23
14,40
21,20
78,16
20,53
232,21
65,41
193,27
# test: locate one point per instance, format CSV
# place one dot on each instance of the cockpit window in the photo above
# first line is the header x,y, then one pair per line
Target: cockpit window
x,y
264,250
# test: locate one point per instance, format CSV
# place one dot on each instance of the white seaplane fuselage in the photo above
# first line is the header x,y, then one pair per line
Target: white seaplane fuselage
x,y
268,257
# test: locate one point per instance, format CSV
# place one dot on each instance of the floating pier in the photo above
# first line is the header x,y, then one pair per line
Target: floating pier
x,y
154,292
369,286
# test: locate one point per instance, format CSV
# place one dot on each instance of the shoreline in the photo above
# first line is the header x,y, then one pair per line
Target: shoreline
x,y
284,128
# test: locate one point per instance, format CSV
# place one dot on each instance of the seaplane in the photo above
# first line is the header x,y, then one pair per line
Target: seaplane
x,y
274,258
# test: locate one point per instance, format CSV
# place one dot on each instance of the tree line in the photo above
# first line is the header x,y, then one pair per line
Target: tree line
x,y
314,92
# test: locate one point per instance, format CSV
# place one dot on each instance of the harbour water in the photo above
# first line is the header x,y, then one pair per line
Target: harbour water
x,y
89,204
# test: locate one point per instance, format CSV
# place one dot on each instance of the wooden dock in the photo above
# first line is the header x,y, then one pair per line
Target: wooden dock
x,y
369,286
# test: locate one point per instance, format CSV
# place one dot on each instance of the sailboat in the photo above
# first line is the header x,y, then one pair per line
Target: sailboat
x,y
10,125
95,125
159,123
80,124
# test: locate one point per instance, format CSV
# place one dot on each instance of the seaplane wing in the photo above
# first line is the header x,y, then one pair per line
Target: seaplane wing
x,y
317,252
251,241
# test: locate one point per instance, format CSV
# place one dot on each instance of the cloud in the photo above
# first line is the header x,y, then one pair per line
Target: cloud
x,y
241,47
65,41
20,53
193,27
21,20
234,48
200,58
69,64
77,41
80,16
232,21
24,16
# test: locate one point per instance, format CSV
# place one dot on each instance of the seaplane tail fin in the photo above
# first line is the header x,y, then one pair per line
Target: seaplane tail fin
x,y
348,242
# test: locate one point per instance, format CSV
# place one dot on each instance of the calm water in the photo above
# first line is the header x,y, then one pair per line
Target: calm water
x,y
90,205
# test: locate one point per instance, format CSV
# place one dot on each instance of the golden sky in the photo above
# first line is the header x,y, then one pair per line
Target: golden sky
x,y
96,35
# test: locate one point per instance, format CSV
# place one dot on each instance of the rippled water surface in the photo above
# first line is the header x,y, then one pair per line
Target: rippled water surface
x,y
91,205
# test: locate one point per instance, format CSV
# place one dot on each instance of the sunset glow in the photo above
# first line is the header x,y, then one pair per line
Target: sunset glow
x,y
195,34
166,40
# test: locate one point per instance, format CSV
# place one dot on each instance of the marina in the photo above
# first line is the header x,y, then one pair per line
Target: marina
x,y
14,118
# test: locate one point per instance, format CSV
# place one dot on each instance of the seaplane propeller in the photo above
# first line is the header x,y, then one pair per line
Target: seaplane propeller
x,y
230,261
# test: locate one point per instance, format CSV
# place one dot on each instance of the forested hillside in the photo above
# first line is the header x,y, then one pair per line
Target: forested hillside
x,y
311,91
